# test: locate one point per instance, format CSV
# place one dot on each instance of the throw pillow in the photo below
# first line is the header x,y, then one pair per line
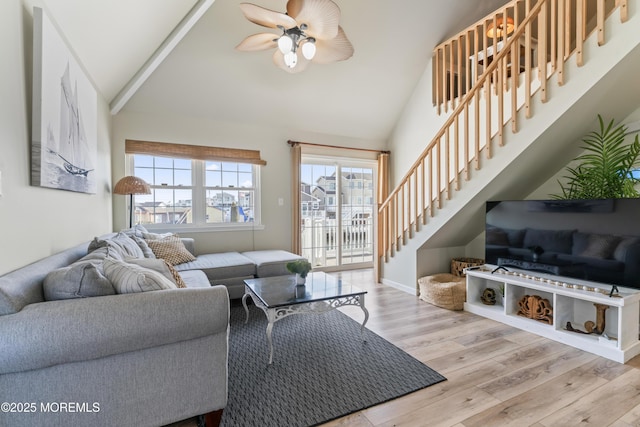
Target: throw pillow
x,y
621,250
600,246
136,230
155,236
161,266
129,278
78,280
171,249
121,244
142,244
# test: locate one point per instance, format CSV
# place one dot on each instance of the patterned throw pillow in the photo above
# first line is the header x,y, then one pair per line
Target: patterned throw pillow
x,y
601,246
130,278
161,266
171,249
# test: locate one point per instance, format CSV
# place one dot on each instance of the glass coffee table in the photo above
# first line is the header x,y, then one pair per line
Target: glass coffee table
x,y
280,297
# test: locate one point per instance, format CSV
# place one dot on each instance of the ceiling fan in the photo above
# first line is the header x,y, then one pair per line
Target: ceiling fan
x,y
309,32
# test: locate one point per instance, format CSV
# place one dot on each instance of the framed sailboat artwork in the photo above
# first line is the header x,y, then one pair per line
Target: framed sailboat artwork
x,y
65,129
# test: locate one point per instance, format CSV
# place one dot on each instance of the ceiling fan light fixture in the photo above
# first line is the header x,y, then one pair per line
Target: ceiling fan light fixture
x,y
309,48
309,27
285,43
291,59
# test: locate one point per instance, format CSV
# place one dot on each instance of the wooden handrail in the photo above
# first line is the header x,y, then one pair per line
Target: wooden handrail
x,y
485,75
507,84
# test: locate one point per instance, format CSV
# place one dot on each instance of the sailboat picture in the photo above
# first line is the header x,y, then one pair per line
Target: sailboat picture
x,y
64,146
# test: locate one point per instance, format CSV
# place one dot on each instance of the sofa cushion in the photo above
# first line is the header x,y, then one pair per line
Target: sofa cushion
x,y
81,279
195,279
171,249
271,262
221,265
129,278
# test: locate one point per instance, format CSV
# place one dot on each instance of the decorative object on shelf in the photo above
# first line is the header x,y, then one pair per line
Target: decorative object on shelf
x,y
131,185
443,290
310,27
590,326
569,327
601,309
606,169
488,296
301,268
537,308
536,251
459,264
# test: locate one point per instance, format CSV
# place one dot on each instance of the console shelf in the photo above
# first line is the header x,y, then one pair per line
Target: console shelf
x,y
572,300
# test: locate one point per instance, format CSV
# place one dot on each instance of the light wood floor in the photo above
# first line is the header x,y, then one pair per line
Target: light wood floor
x,y
496,375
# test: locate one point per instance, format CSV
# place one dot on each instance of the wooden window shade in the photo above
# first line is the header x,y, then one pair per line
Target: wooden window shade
x,y
199,152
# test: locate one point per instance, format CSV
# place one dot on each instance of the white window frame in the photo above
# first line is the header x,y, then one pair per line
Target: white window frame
x,y
198,180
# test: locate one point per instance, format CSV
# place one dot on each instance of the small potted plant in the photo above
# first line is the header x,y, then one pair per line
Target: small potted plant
x,y
536,251
301,268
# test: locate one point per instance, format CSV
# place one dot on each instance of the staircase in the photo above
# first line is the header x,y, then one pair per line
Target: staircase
x,y
512,119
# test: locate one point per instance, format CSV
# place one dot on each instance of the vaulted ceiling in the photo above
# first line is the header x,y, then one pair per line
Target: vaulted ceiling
x,y
204,76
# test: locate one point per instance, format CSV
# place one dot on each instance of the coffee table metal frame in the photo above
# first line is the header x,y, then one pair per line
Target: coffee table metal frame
x,y
307,307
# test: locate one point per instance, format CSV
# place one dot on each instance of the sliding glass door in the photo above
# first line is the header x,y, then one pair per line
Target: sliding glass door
x,y
337,207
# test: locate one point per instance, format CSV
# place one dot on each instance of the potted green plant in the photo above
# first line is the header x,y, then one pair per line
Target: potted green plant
x,y
301,268
606,169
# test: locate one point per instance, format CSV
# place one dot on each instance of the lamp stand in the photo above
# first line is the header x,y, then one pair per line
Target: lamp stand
x,y
130,210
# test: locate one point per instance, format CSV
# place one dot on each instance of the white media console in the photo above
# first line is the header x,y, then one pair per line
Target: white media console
x,y
572,300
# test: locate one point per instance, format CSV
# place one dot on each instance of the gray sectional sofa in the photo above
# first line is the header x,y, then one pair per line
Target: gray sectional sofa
x,y
132,359
232,268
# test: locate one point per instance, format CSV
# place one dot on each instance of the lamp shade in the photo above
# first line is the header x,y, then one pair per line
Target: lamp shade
x,y
501,28
131,185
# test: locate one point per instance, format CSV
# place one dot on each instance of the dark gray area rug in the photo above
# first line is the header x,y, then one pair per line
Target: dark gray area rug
x,y
321,370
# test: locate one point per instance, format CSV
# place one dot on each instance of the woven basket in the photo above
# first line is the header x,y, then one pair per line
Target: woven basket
x,y
443,290
459,264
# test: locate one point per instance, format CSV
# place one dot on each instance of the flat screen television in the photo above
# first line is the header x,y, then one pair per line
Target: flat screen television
x,y
595,240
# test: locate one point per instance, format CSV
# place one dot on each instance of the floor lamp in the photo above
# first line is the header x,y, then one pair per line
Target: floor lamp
x,y
131,185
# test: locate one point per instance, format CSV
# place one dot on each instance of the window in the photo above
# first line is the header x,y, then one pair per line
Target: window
x,y
192,192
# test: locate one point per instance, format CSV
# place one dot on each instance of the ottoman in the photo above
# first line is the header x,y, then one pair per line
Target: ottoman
x,y
443,290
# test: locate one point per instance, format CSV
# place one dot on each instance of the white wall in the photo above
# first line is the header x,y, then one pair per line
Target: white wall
x,y
275,176
37,222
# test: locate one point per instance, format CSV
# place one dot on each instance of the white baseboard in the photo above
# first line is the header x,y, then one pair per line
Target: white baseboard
x,y
400,286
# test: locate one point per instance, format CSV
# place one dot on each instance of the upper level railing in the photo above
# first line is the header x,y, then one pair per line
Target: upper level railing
x,y
459,61
545,34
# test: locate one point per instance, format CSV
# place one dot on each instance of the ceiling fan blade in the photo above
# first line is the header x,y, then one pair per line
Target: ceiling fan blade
x,y
321,17
265,17
337,49
256,42
278,59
